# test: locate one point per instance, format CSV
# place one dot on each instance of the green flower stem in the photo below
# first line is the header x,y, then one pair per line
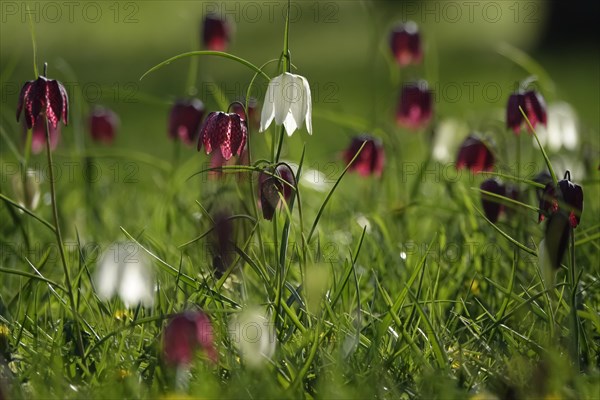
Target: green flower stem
x,y
60,243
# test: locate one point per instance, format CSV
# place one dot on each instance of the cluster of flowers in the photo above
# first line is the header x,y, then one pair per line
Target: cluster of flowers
x,y
44,103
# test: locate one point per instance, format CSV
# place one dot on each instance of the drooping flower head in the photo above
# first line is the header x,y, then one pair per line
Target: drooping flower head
x,y
123,269
215,33
566,197
103,123
475,155
288,101
415,106
533,106
38,135
184,120
371,159
184,334
273,183
562,205
491,205
405,43
226,131
43,96
221,242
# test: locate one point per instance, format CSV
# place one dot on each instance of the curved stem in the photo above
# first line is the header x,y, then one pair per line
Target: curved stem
x,y
61,249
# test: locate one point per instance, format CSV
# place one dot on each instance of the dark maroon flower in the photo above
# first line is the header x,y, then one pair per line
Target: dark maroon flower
x,y
491,205
405,43
184,120
38,135
533,106
475,155
46,96
184,333
224,130
215,33
370,160
565,198
252,119
415,106
272,184
103,123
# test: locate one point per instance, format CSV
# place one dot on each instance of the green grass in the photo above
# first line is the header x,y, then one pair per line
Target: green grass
x,y
377,288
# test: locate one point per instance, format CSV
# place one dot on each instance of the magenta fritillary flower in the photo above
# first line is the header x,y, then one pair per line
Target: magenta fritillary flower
x,y
371,159
226,131
533,106
184,334
185,119
475,155
215,33
415,106
38,135
272,184
405,43
252,117
566,197
43,96
103,124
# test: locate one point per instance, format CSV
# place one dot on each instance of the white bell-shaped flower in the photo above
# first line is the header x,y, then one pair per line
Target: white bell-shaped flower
x,y
288,101
124,269
254,335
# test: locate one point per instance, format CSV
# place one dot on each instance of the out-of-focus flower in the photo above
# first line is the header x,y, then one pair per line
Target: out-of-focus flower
x,y
371,159
184,120
415,106
252,117
124,269
46,97
562,128
405,43
103,123
562,205
254,336
27,189
226,131
38,135
533,106
491,205
446,139
184,334
215,33
475,155
273,183
288,101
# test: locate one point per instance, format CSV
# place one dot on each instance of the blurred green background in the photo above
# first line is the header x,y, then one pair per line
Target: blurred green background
x,y
99,49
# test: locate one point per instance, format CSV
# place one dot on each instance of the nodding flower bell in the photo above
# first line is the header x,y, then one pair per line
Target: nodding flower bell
x,y
38,135
371,159
273,183
533,106
184,120
566,197
415,106
46,97
288,101
562,205
227,131
184,334
475,155
103,123
405,43
215,33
